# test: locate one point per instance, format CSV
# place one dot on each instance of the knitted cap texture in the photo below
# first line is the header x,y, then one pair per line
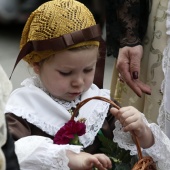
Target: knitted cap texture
x,y
54,19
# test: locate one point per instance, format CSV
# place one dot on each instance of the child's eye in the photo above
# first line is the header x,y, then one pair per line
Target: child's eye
x,y
88,70
64,73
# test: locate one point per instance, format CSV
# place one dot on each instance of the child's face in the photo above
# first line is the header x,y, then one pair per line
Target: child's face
x,y
69,73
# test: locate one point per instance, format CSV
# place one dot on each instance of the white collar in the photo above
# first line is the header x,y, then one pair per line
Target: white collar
x,y
38,108
37,82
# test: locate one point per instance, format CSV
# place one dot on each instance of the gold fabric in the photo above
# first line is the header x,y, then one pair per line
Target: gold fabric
x,y
151,66
54,19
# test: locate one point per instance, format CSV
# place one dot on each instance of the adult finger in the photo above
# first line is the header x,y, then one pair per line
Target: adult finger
x,y
144,87
136,85
123,69
135,55
131,83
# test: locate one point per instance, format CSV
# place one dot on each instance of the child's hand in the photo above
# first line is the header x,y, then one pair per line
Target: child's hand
x,y
131,120
104,160
86,161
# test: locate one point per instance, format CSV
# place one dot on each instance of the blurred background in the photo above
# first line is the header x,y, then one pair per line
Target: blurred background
x,y
17,10
13,15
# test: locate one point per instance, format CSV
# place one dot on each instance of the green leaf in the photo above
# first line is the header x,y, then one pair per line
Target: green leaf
x,y
107,143
121,159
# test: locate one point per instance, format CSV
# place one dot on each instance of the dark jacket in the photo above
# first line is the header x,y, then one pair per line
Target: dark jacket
x,y
9,152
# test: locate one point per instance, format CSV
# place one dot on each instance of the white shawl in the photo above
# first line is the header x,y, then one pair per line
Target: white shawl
x,y
164,111
38,108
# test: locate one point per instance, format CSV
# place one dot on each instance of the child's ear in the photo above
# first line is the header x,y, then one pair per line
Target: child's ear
x,y
36,68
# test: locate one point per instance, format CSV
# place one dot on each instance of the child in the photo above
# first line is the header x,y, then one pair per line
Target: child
x,y
60,41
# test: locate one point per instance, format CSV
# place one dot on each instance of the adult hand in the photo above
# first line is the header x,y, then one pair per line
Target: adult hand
x,y
128,65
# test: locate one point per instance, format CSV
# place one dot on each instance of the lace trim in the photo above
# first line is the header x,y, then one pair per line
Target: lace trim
x,y
61,161
124,139
66,104
164,111
33,119
37,82
27,154
129,20
94,112
162,116
160,151
35,146
94,123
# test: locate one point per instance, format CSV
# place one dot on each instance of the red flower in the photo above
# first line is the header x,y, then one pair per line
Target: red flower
x,y
70,132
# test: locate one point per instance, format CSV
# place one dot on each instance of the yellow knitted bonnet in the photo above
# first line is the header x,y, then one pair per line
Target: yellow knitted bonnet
x,y
54,19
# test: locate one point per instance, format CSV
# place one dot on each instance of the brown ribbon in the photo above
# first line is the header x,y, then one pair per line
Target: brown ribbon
x,y
60,43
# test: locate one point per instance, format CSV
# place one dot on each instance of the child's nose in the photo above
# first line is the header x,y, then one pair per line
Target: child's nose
x,y
78,81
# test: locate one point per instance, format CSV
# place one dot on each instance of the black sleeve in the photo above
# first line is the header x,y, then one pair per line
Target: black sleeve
x,y
9,152
126,23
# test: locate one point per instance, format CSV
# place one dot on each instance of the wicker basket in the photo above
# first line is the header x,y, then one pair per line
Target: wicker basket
x,y
144,162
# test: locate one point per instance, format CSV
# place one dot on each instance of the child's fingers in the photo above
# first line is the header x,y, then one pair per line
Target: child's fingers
x,y
119,112
130,127
128,118
126,115
114,111
98,165
104,160
137,128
